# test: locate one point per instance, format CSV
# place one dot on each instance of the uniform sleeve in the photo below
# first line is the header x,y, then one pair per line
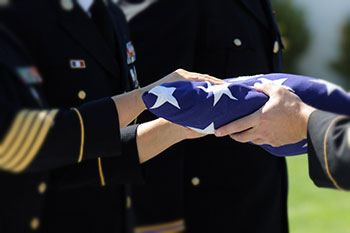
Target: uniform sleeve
x,y
86,142
43,139
103,171
38,140
329,150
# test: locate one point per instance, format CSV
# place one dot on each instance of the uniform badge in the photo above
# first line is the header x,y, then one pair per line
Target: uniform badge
x,y
131,54
77,64
133,75
29,75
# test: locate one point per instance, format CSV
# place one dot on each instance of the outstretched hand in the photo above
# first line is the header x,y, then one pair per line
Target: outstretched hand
x,y
282,120
183,75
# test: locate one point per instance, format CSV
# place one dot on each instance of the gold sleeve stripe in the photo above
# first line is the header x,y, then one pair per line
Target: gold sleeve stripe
x,y
348,136
170,227
20,136
27,140
38,142
82,140
103,183
12,132
335,183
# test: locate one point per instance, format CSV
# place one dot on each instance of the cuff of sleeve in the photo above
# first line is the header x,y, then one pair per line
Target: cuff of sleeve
x,y
317,127
125,169
101,129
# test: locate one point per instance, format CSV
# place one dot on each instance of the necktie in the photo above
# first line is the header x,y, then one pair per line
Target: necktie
x,y
101,18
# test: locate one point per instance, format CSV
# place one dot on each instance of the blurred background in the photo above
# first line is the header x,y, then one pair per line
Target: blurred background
x,y
316,36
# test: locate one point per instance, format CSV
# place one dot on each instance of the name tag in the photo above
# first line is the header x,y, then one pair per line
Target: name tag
x,y
77,64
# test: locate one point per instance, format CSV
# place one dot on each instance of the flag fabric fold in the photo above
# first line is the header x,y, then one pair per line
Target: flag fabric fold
x,y
204,107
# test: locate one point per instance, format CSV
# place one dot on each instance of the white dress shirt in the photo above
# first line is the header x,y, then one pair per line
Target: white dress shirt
x,y
85,5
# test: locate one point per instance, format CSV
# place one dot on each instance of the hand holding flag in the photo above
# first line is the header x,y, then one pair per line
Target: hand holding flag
x,y
205,107
282,120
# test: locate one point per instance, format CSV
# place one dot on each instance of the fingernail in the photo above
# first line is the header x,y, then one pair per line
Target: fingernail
x,y
218,133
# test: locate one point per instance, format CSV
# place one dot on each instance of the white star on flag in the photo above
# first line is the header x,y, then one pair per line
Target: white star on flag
x,y
164,94
330,86
218,91
278,82
244,78
209,130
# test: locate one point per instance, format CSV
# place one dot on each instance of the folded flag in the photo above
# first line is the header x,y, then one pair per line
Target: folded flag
x,y
204,107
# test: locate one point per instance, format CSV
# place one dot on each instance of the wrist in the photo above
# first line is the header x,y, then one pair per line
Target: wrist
x,y
306,111
138,98
177,132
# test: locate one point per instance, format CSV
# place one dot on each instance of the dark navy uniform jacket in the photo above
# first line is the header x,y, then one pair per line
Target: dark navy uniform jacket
x,y
85,197
329,150
217,185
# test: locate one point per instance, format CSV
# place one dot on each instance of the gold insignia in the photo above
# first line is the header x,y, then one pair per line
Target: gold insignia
x,y
67,5
103,183
276,47
169,227
25,138
325,154
348,136
82,139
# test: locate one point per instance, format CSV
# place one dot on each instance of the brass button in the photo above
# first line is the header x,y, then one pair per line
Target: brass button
x,y
42,187
82,95
128,202
35,224
276,47
237,42
67,5
195,181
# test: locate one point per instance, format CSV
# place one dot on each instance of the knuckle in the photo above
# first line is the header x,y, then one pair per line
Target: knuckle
x,y
179,70
280,90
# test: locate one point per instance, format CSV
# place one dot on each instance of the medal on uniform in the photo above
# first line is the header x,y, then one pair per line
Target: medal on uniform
x,y
29,75
130,52
133,75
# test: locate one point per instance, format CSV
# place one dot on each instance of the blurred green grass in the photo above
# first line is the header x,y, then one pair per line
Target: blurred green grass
x,y
312,209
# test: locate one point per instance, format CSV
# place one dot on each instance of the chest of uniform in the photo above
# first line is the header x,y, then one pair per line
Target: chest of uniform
x,y
72,74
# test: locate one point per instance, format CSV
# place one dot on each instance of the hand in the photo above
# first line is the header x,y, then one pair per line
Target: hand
x,y
183,75
282,120
130,105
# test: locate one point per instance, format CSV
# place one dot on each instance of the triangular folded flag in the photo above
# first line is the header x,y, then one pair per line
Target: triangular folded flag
x,y
204,107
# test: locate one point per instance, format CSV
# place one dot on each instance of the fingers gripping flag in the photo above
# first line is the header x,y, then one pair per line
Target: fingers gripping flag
x,y
204,107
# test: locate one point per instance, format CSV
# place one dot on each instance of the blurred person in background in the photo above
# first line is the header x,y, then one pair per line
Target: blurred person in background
x,y
242,189
285,119
81,67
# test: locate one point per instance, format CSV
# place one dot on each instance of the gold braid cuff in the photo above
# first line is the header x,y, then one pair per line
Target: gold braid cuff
x,y
82,141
